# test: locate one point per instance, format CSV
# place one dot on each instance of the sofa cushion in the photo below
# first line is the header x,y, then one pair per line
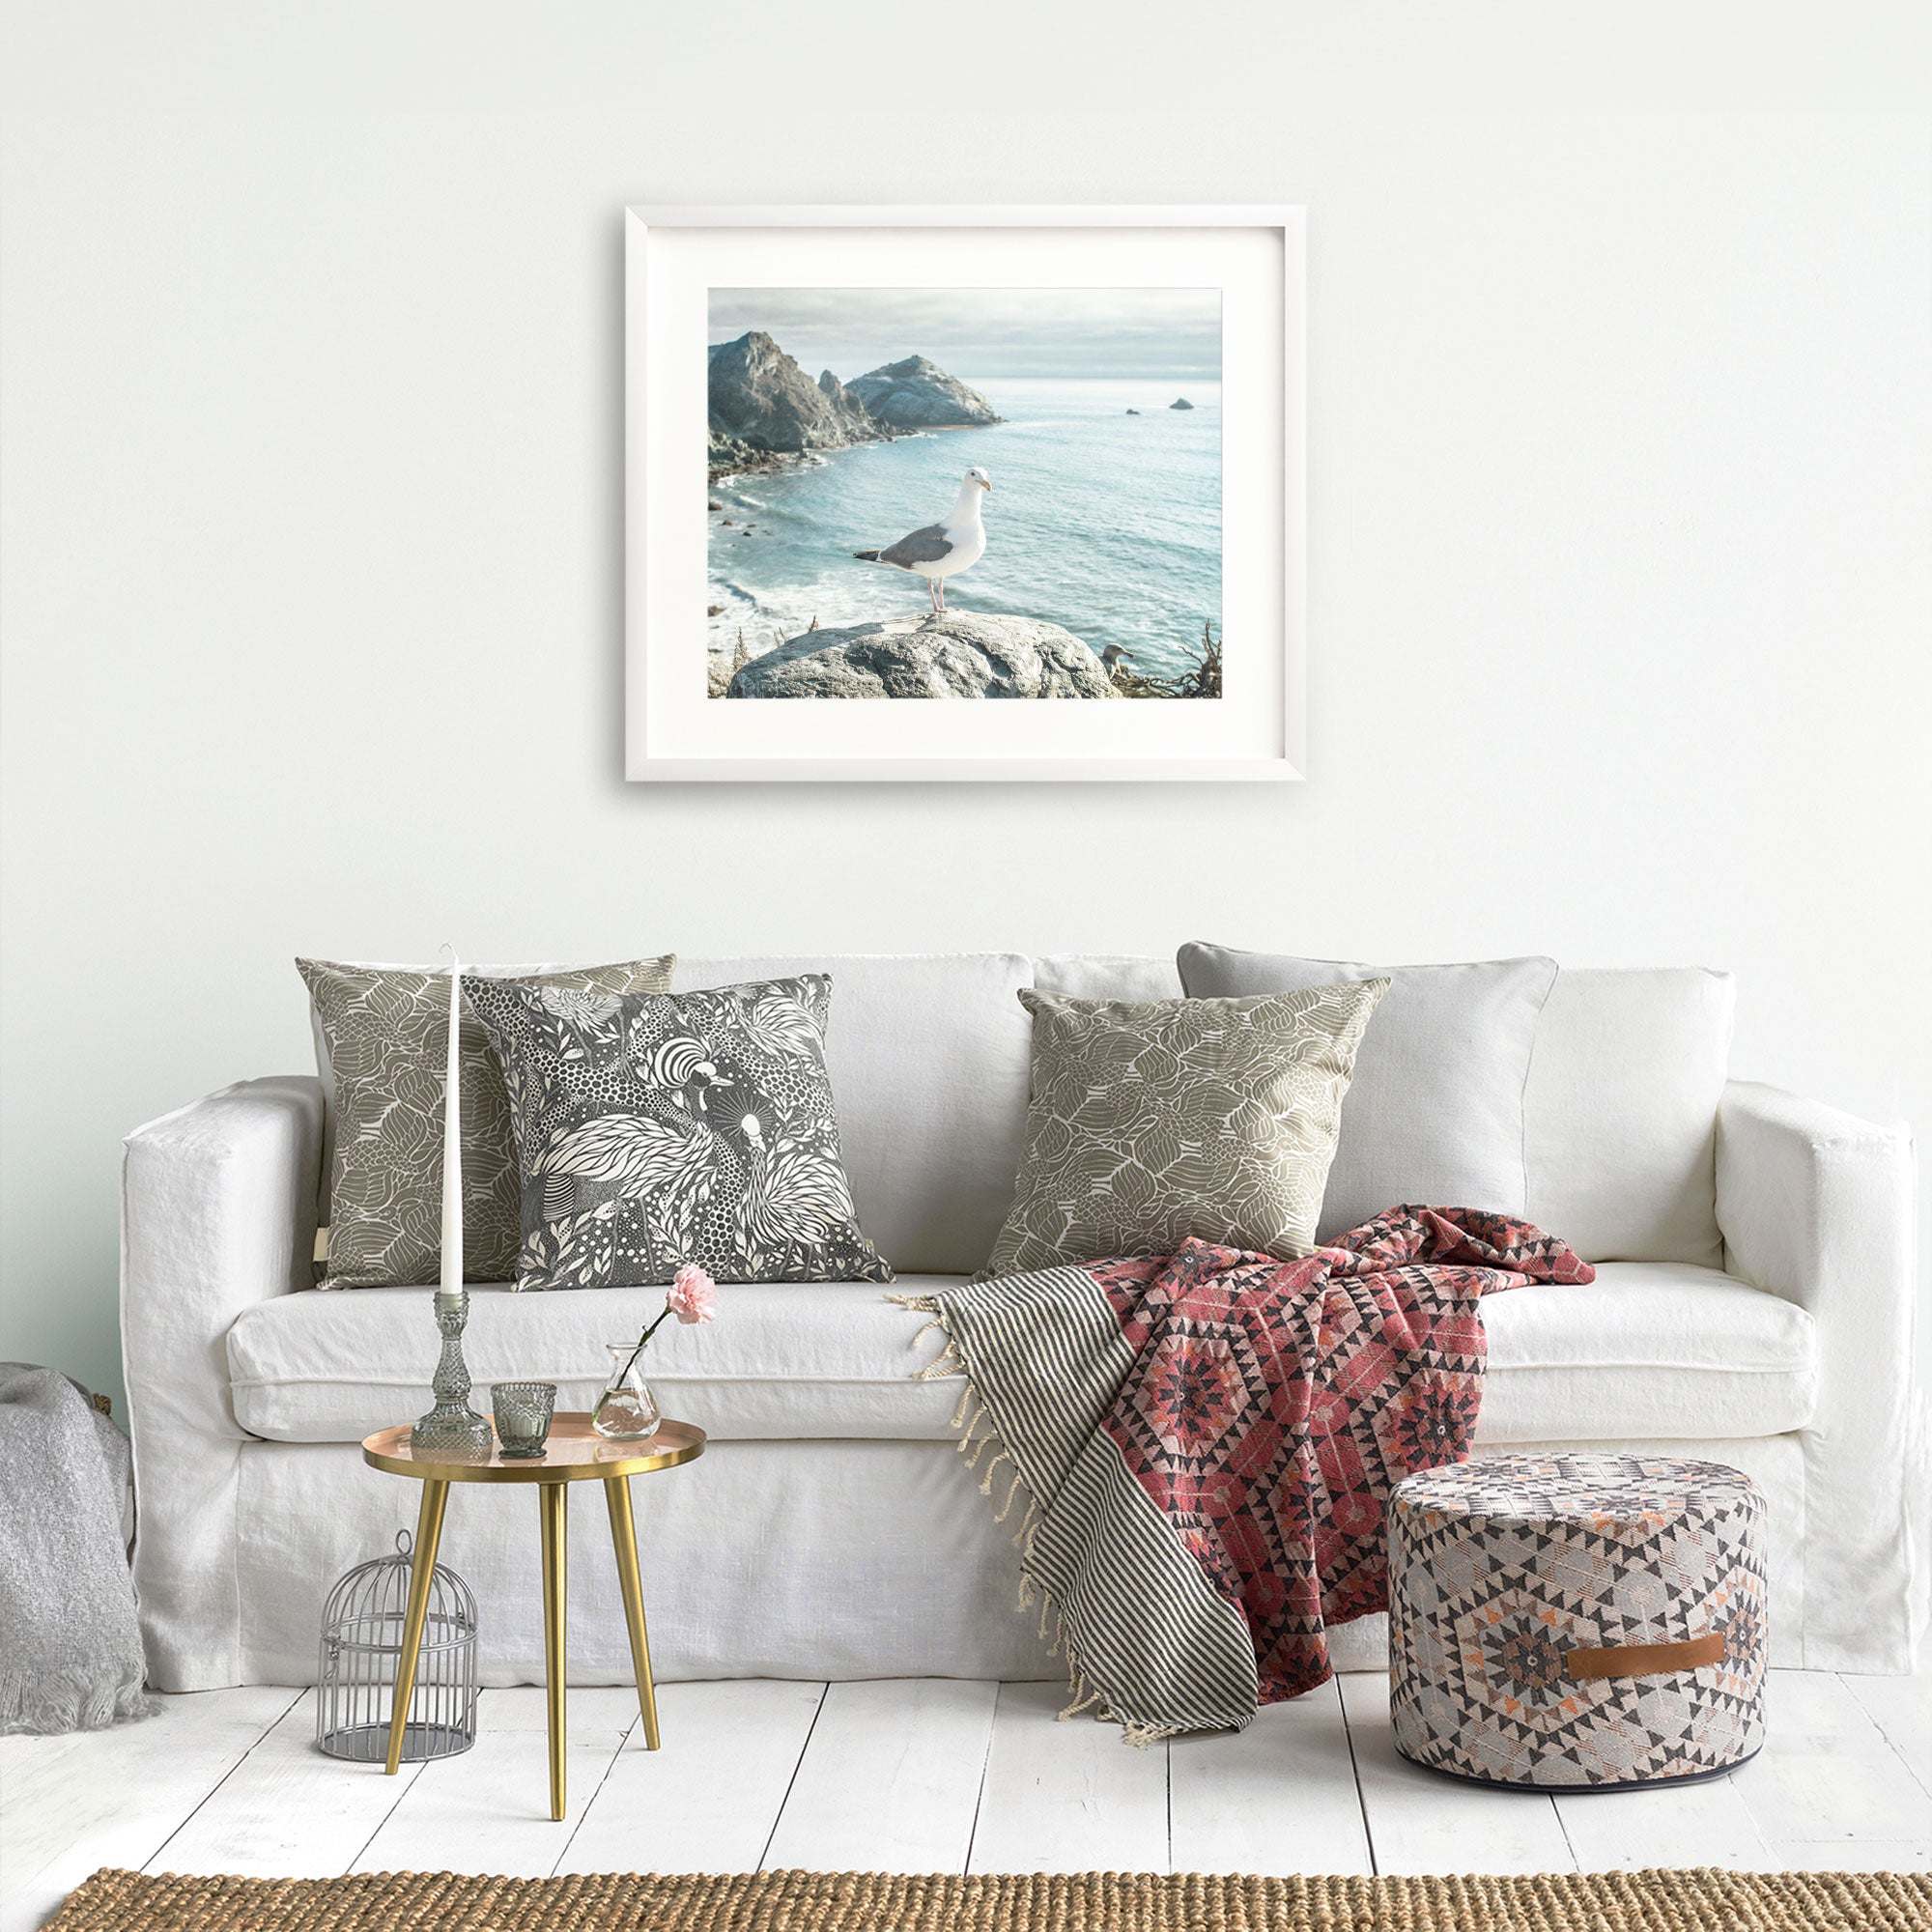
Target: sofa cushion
x,y
780,1359
382,1035
1106,976
1621,1112
656,1129
928,1055
1433,1114
1648,1351
1154,1120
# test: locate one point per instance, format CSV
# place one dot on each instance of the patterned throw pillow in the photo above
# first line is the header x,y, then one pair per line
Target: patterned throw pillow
x,y
687,1128
1149,1122
386,1031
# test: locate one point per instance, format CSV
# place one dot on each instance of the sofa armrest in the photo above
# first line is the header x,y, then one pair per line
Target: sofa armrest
x,y
218,1212
1817,1205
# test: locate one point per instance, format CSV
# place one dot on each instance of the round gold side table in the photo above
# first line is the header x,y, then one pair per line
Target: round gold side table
x,y
574,1454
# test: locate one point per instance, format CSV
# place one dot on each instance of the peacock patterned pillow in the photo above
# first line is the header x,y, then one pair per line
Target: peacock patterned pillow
x,y
657,1130
1150,1123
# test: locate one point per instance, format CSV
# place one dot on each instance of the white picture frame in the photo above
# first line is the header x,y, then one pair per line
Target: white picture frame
x,y
1256,732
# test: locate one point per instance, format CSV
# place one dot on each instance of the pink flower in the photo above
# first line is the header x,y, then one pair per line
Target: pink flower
x,y
694,1295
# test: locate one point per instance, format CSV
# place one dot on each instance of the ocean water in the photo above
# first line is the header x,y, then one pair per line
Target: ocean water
x,y
1107,523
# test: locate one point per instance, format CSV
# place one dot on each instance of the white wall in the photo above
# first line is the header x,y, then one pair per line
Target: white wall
x,y
1619,477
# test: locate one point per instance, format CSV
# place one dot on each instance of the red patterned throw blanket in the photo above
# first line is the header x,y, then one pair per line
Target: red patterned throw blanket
x,y
1205,1444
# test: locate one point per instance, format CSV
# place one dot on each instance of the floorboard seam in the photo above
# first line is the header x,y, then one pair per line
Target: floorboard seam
x,y
1355,1768
1167,1780
268,1729
1575,1863
985,1765
624,1737
824,1690
403,1786
1891,1743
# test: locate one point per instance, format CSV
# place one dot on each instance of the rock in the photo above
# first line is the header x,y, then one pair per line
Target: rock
x,y
762,401
712,504
1180,403
848,406
1133,412
710,610
963,654
918,395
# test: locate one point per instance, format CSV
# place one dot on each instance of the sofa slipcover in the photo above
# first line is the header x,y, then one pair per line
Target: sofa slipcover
x,y
849,1555
1649,1348
845,1559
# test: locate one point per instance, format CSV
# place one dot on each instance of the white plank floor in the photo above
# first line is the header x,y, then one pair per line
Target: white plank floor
x,y
926,1775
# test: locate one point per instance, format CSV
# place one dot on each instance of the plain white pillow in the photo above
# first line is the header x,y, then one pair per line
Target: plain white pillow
x,y
1435,1113
1621,1112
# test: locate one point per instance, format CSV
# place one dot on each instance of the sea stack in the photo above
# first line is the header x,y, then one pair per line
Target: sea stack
x,y
917,395
1180,403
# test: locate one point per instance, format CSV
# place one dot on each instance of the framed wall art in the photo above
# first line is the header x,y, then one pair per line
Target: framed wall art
x,y
964,492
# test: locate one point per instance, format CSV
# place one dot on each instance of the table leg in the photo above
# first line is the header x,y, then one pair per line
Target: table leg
x,y
624,1538
422,1569
553,1500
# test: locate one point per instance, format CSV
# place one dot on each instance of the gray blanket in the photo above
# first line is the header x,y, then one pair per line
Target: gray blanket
x,y
69,1644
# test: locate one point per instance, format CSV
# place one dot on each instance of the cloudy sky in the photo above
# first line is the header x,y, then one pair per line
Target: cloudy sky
x,y
986,332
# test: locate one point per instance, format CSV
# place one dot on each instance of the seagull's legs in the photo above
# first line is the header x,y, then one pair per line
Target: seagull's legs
x,y
932,594
939,583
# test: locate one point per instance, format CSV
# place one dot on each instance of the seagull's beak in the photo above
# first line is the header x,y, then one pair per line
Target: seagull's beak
x,y
985,483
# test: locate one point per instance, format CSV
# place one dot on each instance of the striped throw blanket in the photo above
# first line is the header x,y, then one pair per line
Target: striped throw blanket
x,y
1204,1444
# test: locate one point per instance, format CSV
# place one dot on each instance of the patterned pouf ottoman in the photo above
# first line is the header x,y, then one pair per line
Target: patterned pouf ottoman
x,y
1588,1622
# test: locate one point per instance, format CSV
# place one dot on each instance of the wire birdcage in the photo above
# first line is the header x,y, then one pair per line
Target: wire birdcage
x,y
361,1645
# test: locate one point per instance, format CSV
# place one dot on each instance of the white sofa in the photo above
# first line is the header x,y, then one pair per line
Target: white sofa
x,y
1754,1304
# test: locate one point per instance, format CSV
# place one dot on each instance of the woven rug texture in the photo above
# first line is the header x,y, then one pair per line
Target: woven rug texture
x,y
789,1901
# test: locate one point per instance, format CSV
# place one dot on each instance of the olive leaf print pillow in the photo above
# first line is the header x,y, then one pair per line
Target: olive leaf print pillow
x,y
657,1130
1152,1122
384,1036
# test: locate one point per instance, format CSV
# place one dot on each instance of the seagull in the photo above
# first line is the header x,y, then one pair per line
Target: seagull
x,y
942,549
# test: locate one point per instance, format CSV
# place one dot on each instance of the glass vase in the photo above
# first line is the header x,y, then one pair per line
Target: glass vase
x,y
627,1410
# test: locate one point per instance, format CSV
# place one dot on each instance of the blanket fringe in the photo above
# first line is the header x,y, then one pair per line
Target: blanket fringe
x,y
1004,1510
946,1362
978,1431
1083,1696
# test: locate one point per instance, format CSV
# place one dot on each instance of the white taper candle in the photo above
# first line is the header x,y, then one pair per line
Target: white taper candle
x,y
452,1141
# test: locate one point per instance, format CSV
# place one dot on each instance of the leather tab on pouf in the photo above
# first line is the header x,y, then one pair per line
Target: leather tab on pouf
x,y
1578,1621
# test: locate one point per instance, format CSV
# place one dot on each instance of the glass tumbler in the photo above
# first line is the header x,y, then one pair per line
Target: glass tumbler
x,y
523,1412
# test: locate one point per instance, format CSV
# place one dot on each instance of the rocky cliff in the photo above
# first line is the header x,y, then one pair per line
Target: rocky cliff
x,y
960,655
763,404
918,395
766,413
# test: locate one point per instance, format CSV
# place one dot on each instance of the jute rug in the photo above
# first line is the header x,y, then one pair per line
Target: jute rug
x,y
786,1901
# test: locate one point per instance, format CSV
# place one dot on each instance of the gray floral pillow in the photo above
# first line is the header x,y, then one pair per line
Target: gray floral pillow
x,y
1152,1122
384,1032
691,1128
